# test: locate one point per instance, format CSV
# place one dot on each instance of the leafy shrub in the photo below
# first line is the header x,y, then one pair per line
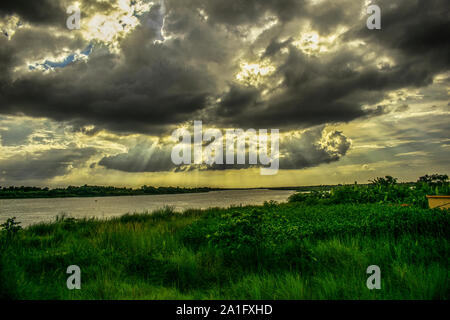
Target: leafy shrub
x,y
380,190
11,227
232,230
238,229
253,236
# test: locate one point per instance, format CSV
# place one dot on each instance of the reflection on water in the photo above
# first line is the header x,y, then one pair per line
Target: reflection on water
x,y
29,211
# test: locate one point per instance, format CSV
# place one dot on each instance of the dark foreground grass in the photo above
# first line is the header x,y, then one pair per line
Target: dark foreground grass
x,y
288,251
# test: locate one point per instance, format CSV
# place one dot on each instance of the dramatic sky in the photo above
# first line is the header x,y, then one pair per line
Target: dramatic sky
x,y
98,105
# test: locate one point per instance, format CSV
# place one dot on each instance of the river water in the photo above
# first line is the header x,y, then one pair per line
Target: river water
x,y
31,211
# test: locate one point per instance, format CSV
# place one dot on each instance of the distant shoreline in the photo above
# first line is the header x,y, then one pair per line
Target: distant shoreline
x,y
135,195
92,192
10,193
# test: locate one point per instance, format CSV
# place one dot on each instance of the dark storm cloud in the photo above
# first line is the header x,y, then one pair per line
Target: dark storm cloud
x,y
327,17
41,11
49,12
324,16
237,99
233,12
418,29
38,42
43,164
275,46
163,92
152,86
6,61
416,34
315,92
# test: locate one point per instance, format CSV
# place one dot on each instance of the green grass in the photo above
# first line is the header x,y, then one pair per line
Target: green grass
x,y
380,190
286,251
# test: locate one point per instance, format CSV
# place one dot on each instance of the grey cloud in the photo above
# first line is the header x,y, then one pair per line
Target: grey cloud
x,y
43,11
402,108
237,100
144,157
315,92
234,12
15,136
313,148
275,46
297,151
417,31
151,87
43,165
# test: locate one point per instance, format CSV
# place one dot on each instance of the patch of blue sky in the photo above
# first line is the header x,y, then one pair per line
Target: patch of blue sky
x,y
65,62
88,50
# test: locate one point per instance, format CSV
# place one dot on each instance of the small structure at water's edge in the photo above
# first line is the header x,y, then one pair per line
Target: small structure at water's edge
x,y
442,202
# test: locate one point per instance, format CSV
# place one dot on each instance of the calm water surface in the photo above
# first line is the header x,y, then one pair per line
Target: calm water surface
x,y
30,211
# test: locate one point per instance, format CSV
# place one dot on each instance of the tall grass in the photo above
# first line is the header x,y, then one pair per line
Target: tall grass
x,y
287,251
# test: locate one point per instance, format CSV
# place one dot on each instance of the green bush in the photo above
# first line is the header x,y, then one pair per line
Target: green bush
x,y
258,233
380,190
11,227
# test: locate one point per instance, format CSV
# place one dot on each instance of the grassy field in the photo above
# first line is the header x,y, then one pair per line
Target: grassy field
x,y
275,251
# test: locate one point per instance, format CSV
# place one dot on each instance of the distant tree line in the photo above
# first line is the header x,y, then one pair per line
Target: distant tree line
x,y
13,192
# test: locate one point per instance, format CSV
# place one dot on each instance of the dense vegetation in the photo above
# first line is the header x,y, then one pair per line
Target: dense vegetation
x,y
275,251
380,190
90,191
318,246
